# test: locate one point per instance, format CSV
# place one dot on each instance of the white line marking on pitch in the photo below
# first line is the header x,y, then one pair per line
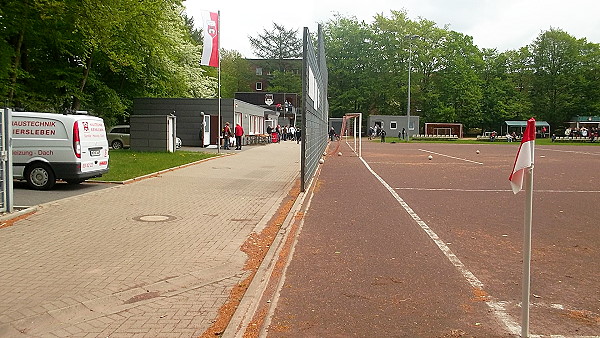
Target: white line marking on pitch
x,y
498,307
456,158
568,151
497,190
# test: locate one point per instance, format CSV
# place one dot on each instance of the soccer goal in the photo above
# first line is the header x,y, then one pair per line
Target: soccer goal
x,y
351,132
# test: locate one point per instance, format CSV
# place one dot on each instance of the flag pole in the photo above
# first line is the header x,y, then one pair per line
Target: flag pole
x,y
527,252
219,76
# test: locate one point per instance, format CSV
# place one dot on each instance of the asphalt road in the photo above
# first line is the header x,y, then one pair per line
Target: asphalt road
x,y
25,197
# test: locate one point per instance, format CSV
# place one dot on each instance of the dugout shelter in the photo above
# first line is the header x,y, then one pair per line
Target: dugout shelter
x,y
519,127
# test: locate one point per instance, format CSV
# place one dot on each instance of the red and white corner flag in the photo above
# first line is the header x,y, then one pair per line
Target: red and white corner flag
x,y
210,50
524,158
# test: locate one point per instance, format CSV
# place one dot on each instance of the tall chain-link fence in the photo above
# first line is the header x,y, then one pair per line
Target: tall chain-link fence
x,y
315,107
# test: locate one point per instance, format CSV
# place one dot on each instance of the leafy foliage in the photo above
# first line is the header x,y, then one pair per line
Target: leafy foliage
x,y
236,74
278,43
97,55
554,78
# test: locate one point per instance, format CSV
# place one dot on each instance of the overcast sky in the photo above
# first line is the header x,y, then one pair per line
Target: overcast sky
x,y
501,24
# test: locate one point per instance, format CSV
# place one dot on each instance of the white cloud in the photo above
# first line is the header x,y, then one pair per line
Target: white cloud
x,y
506,24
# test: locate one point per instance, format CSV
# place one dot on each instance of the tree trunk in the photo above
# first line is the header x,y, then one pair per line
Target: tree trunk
x,y
15,68
86,73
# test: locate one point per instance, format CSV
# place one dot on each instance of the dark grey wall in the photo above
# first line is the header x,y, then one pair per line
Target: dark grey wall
x,y
188,114
149,133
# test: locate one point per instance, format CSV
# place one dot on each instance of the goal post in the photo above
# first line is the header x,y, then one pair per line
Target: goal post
x,y
352,131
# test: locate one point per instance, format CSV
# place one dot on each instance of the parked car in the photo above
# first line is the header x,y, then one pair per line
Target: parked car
x,y
118,136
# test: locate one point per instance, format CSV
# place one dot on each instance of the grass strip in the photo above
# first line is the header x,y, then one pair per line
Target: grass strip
x,y
125,164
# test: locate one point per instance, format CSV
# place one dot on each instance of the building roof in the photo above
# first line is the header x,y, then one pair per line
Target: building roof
x,y
524,123
586,119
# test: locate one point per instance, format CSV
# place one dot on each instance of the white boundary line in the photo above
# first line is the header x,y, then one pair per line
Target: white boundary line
x,y
456,158
498,190
497,307
568,151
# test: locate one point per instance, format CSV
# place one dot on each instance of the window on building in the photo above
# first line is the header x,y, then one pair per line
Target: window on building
x,y
393,125
259,86
257,125
238,119
258,71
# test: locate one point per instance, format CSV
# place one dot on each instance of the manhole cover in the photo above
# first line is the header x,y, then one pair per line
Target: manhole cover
x,y
155,218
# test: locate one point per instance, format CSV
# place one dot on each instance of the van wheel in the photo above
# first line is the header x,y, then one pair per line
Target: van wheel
x,y
116,144
40,176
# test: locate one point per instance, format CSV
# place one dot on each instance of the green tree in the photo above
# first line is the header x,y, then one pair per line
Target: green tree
x,y
554,78
285,82
277,44
445,86
97,55
505,83
236,75
588,85
556,66
348,44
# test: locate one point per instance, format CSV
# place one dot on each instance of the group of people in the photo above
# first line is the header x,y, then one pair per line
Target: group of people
x,y
512,137
232,138
377,131
374,131
592,132
286,133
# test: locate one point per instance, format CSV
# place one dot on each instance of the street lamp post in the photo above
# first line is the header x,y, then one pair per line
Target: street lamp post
x,y
410,38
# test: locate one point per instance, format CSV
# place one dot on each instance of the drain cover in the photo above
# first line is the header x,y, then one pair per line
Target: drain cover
x,y
155,218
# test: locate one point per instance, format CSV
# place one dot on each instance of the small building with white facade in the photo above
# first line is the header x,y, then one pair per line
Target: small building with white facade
x,y
189,114
393,124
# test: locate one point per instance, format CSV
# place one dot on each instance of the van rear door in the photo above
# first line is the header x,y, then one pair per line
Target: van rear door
x,y
90,144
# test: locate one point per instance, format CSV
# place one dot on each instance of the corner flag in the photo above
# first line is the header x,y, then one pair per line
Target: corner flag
x,y
523,168
524,157
210,50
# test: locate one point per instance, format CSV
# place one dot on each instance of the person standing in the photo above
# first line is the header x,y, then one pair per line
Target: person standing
x,y
278,130
299,135
239,132
382,133
226,136
331,134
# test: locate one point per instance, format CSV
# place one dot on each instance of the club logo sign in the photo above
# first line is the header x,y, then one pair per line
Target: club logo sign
x,y
211,28
269,99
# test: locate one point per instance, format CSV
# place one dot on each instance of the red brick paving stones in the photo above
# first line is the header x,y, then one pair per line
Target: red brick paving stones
x,y
86,265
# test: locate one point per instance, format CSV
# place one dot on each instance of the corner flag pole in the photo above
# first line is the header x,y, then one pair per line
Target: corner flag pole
x,y
523,171
527,252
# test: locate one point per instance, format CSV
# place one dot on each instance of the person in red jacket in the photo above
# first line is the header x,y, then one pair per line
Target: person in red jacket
x,y
239,132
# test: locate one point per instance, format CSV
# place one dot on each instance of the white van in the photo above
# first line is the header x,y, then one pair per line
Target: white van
x,y
47,147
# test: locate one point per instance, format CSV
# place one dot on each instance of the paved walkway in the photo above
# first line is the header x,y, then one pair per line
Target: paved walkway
x,y
155,258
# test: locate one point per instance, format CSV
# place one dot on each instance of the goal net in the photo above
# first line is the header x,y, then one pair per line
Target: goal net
x,y
351,133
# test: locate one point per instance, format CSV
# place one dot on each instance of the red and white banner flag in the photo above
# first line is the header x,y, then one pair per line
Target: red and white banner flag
x,y
524,158
210,28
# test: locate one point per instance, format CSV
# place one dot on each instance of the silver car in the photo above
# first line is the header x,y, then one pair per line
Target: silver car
x,y
118,136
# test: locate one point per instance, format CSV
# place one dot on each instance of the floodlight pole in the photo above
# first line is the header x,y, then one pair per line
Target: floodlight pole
x,y
410,38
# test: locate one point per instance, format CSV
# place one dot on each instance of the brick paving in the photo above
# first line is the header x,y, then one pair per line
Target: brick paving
x,y
87,266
